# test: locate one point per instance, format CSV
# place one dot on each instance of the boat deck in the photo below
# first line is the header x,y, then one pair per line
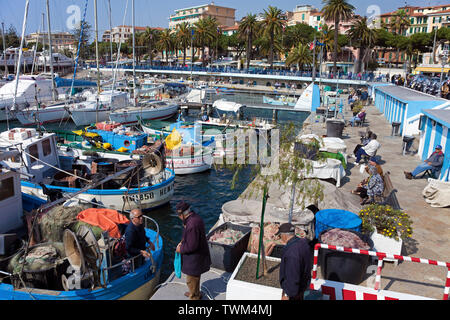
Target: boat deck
x,y
213,285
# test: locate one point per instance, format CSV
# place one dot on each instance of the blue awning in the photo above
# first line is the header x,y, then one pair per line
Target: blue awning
x,y
63,82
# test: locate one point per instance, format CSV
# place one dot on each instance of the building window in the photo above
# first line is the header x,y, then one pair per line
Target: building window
x,y
424,29
303,16
318,18
434,19
6,188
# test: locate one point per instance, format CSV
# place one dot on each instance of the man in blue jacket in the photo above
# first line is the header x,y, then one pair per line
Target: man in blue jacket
x,y
194,250
433,163
135,238
296,264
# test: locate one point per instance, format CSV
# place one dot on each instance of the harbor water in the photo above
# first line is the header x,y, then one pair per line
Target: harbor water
x,y
206,191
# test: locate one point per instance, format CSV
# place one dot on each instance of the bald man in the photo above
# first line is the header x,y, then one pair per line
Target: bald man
x,y
136,239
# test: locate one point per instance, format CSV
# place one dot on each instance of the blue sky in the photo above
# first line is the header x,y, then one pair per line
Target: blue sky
x,y
156,13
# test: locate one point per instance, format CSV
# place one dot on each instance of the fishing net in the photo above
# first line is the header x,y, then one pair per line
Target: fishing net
x,y
227,236
53,223
41,257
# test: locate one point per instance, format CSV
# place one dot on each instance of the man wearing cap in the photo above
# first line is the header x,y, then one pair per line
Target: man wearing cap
x,y
135,238
194,250
433,163
295,267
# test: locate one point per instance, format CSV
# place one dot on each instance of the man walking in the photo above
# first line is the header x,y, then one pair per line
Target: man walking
x,y
195,257
295,267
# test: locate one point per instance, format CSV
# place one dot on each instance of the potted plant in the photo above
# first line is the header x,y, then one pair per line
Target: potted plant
x,y
386,226
357,107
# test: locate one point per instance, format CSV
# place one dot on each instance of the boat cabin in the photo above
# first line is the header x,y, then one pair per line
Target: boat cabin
x,y
39,151
10,195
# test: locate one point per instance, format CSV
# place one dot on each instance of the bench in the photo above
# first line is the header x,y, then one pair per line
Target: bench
x,y
389,197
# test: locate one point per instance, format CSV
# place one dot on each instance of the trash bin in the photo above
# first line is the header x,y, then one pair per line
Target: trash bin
x,y
395,128
407,143
335,128
341,266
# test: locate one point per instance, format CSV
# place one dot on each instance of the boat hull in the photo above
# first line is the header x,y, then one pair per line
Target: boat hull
x,y
145,197
30,117
127,117
137,285
87,117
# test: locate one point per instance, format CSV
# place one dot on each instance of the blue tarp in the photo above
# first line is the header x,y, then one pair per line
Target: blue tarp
x,y
62,82
336,218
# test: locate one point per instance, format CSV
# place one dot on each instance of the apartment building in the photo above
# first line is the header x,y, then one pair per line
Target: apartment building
x,y
123,33
60,40
301,14
225,16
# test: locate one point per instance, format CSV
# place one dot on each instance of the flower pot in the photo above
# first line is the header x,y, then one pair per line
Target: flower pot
x,y
385,244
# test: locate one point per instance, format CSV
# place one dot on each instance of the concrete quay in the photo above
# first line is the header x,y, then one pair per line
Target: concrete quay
x,y
431,226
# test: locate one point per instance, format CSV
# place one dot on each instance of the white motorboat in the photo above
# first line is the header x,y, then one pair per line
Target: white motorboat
x,y
59,60
146,110
43,113
11,56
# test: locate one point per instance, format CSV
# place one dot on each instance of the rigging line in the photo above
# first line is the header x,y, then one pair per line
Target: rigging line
x,y
37,159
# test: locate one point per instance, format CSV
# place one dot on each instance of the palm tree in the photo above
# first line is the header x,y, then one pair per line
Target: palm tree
x,y
165,43
150,35
299,55
398,24
272,25
363,38
213,39
203,35
337,11
183,35
248,29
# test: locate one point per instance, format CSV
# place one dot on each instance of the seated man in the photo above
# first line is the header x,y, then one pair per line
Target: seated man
x,y
358,118
135,238
369,149
433,163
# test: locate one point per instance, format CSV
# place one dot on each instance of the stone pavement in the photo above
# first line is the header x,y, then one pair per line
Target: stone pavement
x,y
431,226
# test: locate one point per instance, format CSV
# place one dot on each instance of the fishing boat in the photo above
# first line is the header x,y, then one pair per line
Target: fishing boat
x,y
280,101
147,110
141,185
77,261
192,157
89,112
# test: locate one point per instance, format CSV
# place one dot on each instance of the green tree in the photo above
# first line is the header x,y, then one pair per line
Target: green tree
x,y
362,38
300,56
337,11
87,31
299,33
183,35
203,35
272,26
150,37
165,43
248,29
11,37
399,23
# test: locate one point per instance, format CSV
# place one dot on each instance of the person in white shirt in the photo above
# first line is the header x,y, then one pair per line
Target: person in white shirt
x,y
369,149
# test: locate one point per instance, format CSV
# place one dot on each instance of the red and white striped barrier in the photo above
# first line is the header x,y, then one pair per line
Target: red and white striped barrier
x,y
343,291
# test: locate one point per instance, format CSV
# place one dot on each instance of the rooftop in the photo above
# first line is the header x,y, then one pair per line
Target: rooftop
x,y
440,115
407,94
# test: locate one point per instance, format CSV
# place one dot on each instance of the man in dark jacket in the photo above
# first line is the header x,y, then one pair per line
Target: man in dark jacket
x,y
135,238
194,250
433,163
295,267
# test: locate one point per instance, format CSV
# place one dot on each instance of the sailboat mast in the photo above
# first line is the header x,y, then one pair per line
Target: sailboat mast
x,y
51,51
96,57
4,49
24,25
134,57
110,30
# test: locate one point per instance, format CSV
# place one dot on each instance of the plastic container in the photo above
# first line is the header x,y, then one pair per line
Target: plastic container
x,y
104,165
344,267
107,126
130,142
336,218
227,256
335,128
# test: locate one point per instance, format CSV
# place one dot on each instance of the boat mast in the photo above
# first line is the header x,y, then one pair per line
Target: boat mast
x,y
51,52
24,25
4,49
96,57
110,30
134,57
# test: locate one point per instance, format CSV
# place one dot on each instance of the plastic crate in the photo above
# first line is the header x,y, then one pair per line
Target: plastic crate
x,y
227,256
121,140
